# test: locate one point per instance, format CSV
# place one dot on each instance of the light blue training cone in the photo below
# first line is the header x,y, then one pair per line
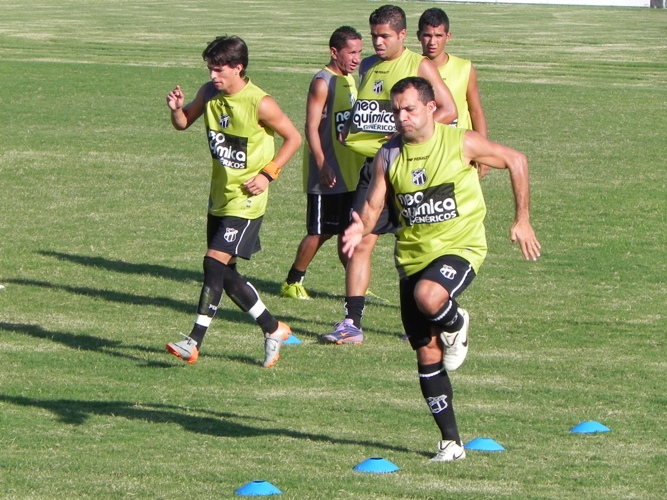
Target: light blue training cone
x,y
483,444
258,489
376,465
292,340
590,427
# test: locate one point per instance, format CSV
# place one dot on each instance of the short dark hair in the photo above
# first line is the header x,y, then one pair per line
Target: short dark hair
x,y
227,51
433,17
342,35
421,85
391,15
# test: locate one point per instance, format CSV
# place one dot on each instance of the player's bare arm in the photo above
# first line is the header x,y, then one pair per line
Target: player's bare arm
x,y
364,222
446,107
271,116
477,117
317,99
475,104
184,116
481,150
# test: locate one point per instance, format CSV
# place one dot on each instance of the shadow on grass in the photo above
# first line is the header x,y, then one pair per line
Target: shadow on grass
x,y
228,314
159,271
155,270
114,348
88,343
120,266
111,295
219,424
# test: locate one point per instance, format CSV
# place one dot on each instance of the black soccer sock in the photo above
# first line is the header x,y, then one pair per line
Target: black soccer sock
x,y
244,295
209,299
354,309
438,393
448,317
295,276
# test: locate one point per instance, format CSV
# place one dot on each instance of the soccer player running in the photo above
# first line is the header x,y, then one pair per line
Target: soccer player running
x,y
370,126
331,170
240,120
458,74
425,172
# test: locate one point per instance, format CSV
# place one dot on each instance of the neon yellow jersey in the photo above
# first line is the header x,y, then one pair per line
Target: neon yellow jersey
x,y
438,198
372,119
240,148
456,74
345,163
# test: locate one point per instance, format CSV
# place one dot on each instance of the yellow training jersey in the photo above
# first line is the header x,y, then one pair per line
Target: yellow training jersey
x,y
456,74
372,119
438,198
240,148
342,93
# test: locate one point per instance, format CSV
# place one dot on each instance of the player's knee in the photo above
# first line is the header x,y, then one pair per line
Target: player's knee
x,y
214,273
430,297
365,248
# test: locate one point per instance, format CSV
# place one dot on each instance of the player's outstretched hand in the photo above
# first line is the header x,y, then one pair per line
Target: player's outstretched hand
x,y
353,235
522,232
175,99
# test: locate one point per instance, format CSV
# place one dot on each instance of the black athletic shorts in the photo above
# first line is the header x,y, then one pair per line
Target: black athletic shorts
x,y
453,273
328,213
387,222
234,235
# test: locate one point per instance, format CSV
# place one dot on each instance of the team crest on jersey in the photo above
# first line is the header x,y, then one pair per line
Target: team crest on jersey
x,y
448,272
419,177
231,234
224,121
438,403
378,86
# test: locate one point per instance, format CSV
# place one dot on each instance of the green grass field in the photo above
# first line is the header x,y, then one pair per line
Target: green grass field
x,y
102,235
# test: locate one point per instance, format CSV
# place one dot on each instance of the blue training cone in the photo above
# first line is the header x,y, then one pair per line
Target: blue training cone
x,y
590,427
376,465
292,340
483,444
257,489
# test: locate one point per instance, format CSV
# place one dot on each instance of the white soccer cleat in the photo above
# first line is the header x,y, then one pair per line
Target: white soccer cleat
x,y
456,344
273,342
449,451
186,349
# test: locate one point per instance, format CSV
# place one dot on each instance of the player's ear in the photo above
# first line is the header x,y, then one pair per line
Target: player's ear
x,y
431,106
